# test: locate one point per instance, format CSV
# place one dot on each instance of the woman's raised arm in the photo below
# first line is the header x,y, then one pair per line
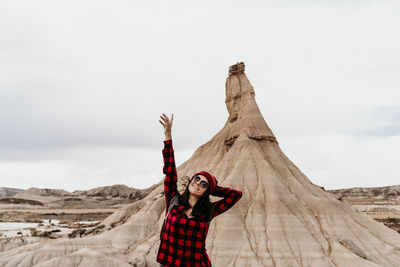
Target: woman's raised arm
x,y
171,178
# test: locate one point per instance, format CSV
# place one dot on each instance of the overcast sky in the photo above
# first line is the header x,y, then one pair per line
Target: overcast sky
x,y
82,85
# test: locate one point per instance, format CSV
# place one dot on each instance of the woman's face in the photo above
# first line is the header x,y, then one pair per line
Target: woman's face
x,y
195,188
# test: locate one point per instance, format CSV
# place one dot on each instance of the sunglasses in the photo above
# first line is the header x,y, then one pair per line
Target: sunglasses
x,y
203,183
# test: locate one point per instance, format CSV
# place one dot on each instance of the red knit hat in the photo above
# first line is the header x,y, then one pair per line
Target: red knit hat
x,y
212,181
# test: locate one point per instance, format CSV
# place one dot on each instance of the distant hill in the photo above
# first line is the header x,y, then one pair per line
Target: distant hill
x,y
12,200
45,192
119,190
381,203
369,195
47,195
9,192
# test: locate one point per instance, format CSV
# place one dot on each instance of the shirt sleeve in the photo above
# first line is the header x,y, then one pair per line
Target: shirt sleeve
x,y
230,198
171,178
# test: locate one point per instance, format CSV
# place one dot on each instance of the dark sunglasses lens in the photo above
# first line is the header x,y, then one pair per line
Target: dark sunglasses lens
x,y
203,184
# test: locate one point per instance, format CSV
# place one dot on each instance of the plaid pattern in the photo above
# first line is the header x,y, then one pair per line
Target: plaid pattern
x,y
184,239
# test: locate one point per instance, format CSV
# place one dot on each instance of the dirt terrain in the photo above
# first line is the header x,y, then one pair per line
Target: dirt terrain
x,y
381,203
20,215
27,216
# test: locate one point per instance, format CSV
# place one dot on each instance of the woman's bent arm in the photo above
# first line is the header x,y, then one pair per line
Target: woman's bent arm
x,y
230,198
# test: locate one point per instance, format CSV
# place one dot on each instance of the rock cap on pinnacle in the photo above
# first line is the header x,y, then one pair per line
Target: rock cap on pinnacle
x,y
237,68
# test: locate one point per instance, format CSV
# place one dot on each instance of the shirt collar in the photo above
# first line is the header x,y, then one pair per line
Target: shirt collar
x,y
181,207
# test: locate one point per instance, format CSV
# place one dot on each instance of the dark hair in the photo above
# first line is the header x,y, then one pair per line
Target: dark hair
x,y
203,205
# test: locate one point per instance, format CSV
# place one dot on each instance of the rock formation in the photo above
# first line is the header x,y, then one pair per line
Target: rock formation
x,y
282,219
9,192
370,195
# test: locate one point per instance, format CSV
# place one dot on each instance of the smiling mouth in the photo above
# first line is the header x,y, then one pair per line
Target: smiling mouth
x,y
195,187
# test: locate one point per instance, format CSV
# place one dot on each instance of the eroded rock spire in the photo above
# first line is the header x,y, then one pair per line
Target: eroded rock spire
x,y
244,114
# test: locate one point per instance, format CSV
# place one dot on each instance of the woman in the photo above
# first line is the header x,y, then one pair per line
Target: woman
x,y
184,239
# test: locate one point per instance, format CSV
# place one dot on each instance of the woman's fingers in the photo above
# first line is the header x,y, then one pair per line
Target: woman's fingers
x,y
165,117
166,121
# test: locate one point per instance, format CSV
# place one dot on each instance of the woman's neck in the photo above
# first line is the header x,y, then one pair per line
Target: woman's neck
x,y
193,200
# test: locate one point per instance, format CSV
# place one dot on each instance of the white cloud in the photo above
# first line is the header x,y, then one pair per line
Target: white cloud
x,y
337,160
87,167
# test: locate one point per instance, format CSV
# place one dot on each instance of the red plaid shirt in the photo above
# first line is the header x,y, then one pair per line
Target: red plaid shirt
x,y
184,239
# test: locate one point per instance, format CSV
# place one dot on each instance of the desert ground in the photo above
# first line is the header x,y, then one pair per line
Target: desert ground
x,y
28,216
381,203
46,213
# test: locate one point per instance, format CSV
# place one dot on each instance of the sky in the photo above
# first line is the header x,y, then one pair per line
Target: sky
x,y
83,84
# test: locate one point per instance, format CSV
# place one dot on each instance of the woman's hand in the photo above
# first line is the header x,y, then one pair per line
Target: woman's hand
x,y
167,123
